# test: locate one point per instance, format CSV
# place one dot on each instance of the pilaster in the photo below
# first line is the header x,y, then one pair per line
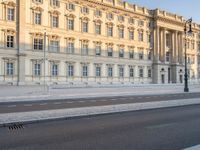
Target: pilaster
x,y
156,44
21,4
164,44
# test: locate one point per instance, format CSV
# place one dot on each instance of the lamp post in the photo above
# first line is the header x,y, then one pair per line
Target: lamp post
x,y
44,57
189,21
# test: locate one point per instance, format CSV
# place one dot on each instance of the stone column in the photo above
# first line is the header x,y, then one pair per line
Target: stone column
x,y
174,66
161,46
181,48
173,48
164,45
175,60
156,70
156,44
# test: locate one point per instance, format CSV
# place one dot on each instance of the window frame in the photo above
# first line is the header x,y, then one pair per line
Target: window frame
x,y
9,68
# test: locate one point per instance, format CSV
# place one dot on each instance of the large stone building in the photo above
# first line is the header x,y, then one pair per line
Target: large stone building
x,y
93,42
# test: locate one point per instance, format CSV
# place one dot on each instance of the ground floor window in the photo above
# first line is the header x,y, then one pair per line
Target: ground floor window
x,y
98,71
121,72
9,69
37,69
54,70
85,71
141,71
149,73
70,70
110,71
131,72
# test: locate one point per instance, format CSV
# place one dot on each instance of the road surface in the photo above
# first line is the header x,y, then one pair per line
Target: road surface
x,y
160,129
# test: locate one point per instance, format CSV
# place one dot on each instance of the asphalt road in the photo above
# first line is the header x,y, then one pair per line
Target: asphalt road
x,y
84,102
160,129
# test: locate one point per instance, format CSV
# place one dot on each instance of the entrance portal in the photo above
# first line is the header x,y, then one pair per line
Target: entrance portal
x,y
163,78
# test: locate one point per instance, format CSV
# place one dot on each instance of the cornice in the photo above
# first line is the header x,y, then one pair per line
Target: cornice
x,y
167,20
118,9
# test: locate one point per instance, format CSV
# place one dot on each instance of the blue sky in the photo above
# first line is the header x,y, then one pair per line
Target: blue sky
x,y
185,8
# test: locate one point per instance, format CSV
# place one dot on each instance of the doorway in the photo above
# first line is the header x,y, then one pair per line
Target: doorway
x,y
163,78
169,75
181,78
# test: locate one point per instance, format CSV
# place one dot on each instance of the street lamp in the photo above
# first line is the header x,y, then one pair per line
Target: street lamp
x,y
189,21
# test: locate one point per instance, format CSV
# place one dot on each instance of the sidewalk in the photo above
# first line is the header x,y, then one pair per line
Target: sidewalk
x,y
36,93
46,115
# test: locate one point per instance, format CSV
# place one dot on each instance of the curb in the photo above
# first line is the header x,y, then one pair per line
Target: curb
x,y
39,116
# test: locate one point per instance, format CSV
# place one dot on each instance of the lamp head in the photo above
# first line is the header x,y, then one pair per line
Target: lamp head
x,y
190,29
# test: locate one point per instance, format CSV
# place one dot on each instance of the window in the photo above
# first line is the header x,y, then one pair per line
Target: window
x,y
131,72
98,13
140,23
55,21
121,18
167,56
38,18
55,3
193,46
110,71
110,51
98,50
121,33
10,41
151,24
121,72
193,60
70,71
85,10
54,70
149,55
141,73
109,16
98,71
131,54
110,31
11,14
85,26
9,69
131,21
84,49
38,1
121,53
141,55
71,7
188,45
85,71
70,24
149,73
37,69
98,29
149,38
54,46
140,36
188,60
70,48
168,40
37,44
131,35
